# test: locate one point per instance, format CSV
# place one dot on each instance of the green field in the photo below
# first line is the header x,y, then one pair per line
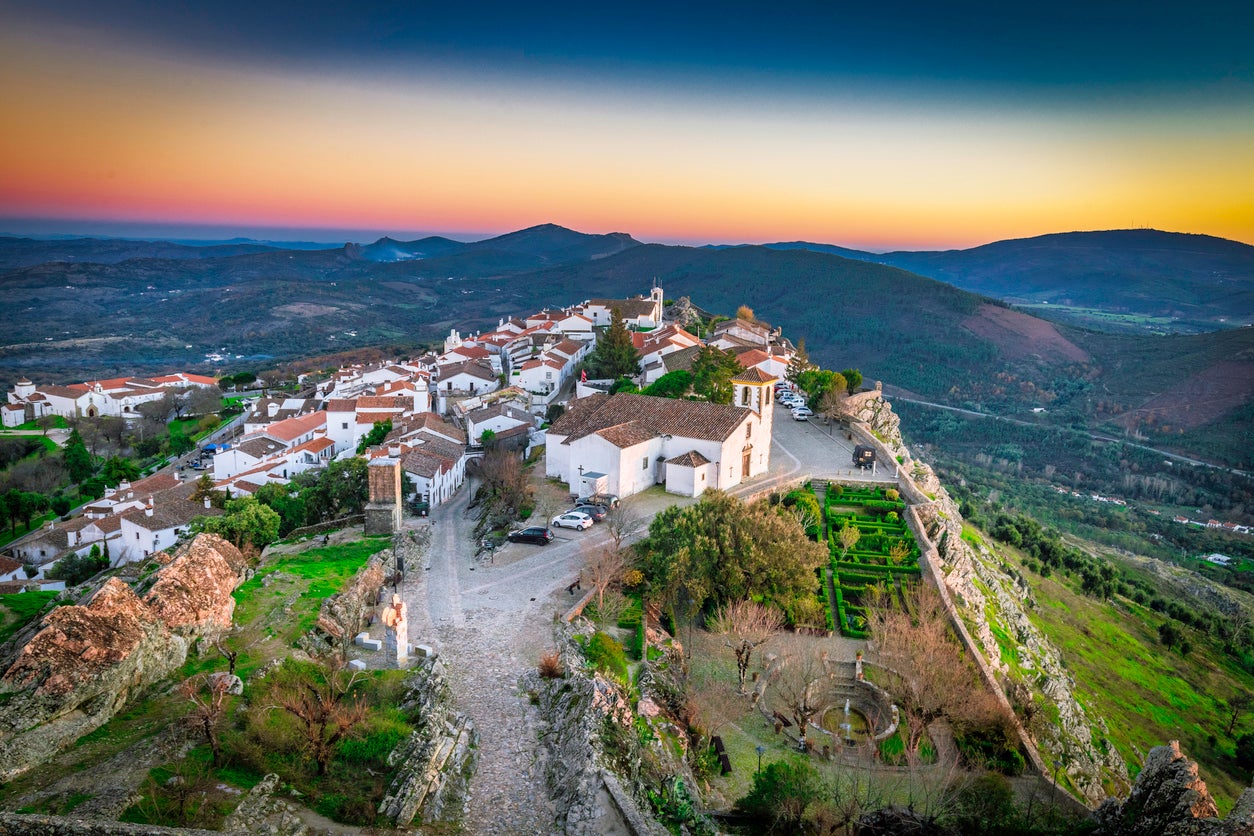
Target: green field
x,y
16,611
1147,694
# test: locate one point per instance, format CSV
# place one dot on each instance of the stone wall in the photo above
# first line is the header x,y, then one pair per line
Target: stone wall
x,y
14,824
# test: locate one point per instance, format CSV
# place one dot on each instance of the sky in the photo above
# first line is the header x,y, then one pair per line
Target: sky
x,y
908,125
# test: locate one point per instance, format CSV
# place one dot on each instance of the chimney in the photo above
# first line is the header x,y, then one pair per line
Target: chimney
x,y
148,508
394,450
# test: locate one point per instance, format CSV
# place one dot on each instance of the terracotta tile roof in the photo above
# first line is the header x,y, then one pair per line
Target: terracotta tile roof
x,y
259,448
342,405
661,416
8,564
627,435
471,352
568,347
627,308
294,428
169,515
162,481
71,392
754,375
690,459
390,402
314,445
681,360
424,463
474,368
752,357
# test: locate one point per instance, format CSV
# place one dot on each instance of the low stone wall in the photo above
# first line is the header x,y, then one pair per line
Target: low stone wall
x,y
929,562
14,824
329,525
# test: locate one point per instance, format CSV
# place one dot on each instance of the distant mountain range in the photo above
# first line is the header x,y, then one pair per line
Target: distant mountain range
x,y
80,308
1132,279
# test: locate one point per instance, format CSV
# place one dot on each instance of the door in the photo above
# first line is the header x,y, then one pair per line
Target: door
x,y
744,467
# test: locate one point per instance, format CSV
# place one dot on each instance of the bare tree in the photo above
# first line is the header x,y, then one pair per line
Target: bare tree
x,y
834,404
322,699
208,698
622,525
204,400
930,677
604,566
1236,706
230,655
745,626
797,680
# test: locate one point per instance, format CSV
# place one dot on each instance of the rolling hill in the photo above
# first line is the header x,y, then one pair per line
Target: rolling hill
x,y
1131,280
82,319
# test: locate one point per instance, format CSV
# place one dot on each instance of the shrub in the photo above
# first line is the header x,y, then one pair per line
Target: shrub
x,y
550,666
607,655
781,793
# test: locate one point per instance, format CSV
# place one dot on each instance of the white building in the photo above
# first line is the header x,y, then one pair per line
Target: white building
x,y
623,444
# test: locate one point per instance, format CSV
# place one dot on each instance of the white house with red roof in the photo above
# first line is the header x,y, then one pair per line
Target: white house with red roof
x,y
119,397
623,444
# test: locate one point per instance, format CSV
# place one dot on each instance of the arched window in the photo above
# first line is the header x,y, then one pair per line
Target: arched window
x,y
744,398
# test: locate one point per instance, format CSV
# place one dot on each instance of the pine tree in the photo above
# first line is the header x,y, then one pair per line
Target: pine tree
x,y
77,459
799,364
712,371
615,355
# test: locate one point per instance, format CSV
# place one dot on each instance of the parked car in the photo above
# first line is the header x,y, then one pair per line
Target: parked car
x,y
605,500
597,512
536,534
802,413
792,402
572,519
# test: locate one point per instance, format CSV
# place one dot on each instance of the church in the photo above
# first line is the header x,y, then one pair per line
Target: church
x,y
623,444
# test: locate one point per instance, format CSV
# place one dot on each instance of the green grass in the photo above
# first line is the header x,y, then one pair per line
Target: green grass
x,y
1146,694
18,610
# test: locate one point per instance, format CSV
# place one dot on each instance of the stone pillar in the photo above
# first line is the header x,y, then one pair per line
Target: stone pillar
x,y
396,636
857,668
383,511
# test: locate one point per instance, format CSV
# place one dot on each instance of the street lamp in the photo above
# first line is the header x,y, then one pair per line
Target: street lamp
x,y
761,750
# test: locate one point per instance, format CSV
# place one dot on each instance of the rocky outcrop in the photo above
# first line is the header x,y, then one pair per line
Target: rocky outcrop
x,y
1169,798
987,592
436,762
87,661
192,594
262,811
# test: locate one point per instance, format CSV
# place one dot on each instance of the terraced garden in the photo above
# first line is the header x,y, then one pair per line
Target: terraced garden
x,y
883,553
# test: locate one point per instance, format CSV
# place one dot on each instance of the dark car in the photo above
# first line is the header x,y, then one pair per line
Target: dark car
x,y
537,534
597,512
605,500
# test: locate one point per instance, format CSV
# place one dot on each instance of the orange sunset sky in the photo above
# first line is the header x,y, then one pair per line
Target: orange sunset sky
x,y
140,122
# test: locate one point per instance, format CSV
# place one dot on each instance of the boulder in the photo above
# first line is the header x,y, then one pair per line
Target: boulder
x,y
1169,798
192,594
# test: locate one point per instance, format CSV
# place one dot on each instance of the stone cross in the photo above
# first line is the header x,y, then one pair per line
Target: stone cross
x,y
396,636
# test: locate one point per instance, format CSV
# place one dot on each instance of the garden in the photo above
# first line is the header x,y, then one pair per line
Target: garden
x,y
870,546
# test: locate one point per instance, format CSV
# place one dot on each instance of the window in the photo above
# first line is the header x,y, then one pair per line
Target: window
x,y
344,425
749,430
744,396
644,463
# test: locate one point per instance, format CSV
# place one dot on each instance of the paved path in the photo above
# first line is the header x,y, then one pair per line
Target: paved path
x,y
490,622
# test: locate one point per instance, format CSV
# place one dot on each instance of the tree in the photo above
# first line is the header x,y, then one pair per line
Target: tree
x,y
796,680
833,404
798,364
604,566
321,698
377,433
117,470
486,438
615,355
1245,751
178,442
77,459
674,384
746,625
48,422
621,524
712,371
1235,707
245,522
286,501
505,489
721,550
1169,634
848,537
928,675
817,383
75,568
782,794
746,313
204,400
208,698
853,380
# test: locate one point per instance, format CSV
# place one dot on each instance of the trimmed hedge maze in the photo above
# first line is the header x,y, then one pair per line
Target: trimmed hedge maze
x,y
885,553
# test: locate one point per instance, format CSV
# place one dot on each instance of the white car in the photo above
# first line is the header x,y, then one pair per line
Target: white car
x,y
793,402
802,413
572,519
